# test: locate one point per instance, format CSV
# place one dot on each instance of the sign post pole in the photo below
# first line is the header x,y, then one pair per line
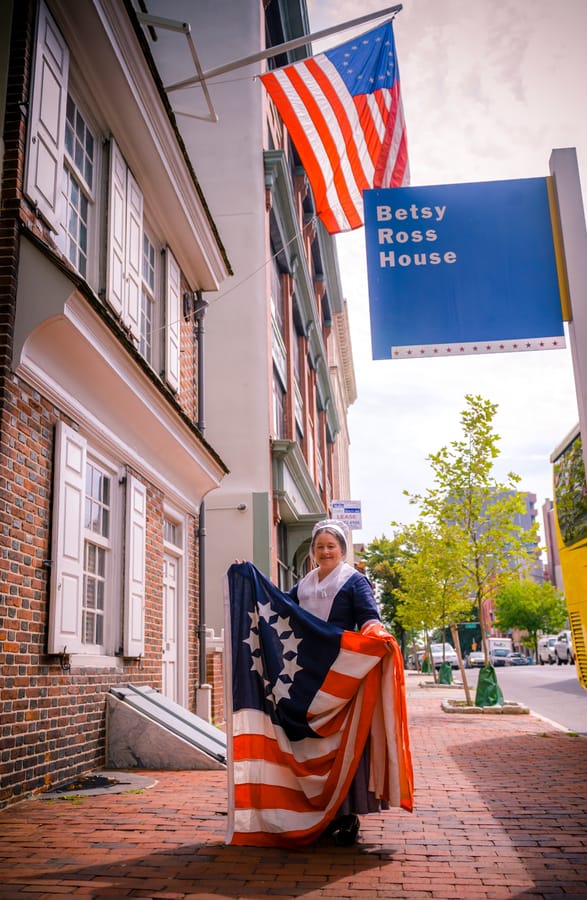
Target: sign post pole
x,y
565,171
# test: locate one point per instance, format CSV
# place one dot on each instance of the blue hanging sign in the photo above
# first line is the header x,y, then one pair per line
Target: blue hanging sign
x,y
460,269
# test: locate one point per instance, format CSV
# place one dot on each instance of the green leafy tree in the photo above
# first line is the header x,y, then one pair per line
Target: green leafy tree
x,y
380,559
431,591
530,607
479,512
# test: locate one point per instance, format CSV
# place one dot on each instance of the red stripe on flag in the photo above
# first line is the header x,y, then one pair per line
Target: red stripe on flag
x,y
370,134
360,643
322,127
346,130
384,178
270,796
303,146
256,746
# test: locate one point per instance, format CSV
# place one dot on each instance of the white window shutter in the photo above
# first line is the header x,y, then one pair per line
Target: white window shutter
x,y
134,569
172,320
68,541
134,254
47,119
116,267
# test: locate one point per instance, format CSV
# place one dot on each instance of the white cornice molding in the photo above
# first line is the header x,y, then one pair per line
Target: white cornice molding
x,y
105,46
67,352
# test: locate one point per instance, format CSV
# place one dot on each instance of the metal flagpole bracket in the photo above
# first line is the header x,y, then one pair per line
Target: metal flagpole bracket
x,y
282,48
183,28
151,22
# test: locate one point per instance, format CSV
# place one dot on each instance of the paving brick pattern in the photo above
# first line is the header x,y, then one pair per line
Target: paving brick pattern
x,y
501,811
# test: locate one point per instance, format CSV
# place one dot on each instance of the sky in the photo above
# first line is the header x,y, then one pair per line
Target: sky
x,y
490,88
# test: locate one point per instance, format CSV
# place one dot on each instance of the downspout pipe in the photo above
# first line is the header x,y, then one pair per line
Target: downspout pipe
x,y
200,307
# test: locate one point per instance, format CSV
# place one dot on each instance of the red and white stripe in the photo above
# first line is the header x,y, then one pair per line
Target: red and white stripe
x,y
346,144
284,793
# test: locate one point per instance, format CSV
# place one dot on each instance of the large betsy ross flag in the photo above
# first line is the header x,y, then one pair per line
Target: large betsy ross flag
x,y
305,697
343,111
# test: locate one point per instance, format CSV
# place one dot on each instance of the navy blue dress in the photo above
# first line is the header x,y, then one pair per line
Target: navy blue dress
x,y
353,606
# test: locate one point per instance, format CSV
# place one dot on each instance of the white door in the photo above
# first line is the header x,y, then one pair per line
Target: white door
x,y
170,619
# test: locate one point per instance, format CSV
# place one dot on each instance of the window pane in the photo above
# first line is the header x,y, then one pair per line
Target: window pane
x,y
105,523
78,179
147,300
97,500
93,603
172,533
100,591
75,223
91,553
97,569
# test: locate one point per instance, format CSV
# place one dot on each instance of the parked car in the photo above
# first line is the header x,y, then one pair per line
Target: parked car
x,y
450,655
498,656
476,659
411,660
546,653
563,648
518,659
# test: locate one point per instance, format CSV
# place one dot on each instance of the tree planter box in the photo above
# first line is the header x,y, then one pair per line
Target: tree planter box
x,y
460,706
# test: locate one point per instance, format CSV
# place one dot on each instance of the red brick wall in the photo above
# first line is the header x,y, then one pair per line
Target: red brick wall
x,y
53,721
214,677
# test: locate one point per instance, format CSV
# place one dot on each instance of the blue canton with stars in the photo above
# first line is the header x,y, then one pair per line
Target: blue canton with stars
x,y
373,52
281,654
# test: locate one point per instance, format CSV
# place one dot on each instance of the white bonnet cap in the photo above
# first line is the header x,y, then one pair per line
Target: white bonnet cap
x,y
335,525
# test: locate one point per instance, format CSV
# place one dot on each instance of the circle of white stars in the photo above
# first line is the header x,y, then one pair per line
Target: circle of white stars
x,y
289,644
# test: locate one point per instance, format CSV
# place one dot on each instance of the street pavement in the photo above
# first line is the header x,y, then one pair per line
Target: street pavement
x,y
500,812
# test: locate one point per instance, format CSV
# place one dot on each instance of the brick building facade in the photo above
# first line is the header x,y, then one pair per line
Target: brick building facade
x,y
105,243
119,513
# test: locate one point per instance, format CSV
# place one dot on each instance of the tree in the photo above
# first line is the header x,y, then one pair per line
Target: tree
x,y
431,591
531,607
380,558
479,512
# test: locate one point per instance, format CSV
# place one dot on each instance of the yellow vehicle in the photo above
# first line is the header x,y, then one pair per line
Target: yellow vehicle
x,y
570,505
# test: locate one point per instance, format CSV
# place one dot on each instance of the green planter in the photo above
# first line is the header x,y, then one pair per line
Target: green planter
x,y
445,673
488,690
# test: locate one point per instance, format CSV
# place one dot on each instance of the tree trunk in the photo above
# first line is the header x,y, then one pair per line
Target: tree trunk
x,y
455,636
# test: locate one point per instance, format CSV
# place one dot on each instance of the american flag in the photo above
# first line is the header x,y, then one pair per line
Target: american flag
x,y
305,696
343,111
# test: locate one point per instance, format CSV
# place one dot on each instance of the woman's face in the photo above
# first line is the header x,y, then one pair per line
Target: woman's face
x,y
327,552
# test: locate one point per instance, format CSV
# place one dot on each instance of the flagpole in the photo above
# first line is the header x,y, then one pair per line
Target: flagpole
x,y
281,48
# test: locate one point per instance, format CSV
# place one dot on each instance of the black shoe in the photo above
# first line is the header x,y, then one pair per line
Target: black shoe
x,y
347,832
333,827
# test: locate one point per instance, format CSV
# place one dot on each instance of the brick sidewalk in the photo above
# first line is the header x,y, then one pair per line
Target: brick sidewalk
x,y
501,811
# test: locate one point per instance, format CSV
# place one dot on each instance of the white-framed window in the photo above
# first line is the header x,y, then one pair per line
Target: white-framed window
x,y
148,300
277,300
278,406
79,178
65,175
97,592
98,551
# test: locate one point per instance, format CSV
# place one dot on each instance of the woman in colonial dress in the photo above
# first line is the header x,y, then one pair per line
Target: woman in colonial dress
x,y
337,593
